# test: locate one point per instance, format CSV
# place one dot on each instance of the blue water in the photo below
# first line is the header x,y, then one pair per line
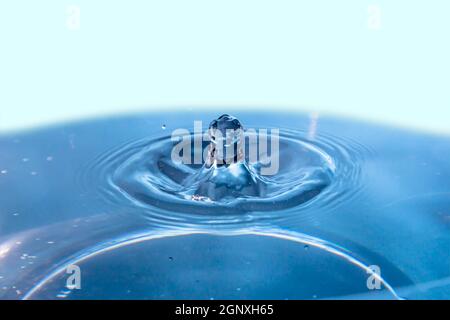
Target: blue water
x,y
104,195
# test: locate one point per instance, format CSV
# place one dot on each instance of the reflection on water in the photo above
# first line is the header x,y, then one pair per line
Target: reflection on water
x,y
105,196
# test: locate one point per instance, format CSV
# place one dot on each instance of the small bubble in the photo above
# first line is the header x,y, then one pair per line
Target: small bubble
x,y
238,289
33,173
199,198
50,242
18,242
25,160
49,158
15,214
163,127
171,258
306,247
4,171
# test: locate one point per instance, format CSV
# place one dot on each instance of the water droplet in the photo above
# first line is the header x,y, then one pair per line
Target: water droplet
x,y
163,127
15,214
25,160
225,174
4,171
49,158
306,247
33,173
226,135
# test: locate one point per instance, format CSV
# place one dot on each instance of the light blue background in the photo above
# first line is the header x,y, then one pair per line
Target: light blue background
x,y
302,55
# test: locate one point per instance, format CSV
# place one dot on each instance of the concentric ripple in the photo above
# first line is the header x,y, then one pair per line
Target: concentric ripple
x,y
142,175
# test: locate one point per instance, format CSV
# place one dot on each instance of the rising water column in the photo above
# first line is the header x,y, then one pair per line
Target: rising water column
x,y
227,175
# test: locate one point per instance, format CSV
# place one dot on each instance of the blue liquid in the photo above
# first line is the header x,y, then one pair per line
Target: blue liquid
x,y
104,195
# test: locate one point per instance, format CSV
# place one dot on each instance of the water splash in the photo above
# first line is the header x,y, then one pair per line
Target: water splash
x,y
225,190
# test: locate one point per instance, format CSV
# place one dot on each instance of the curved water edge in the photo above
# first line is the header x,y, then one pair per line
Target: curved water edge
x,y
303,240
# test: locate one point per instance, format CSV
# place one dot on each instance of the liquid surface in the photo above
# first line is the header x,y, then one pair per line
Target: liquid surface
x,y
105,195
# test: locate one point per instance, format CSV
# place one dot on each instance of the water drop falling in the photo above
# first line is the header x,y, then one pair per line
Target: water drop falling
x,y
163,127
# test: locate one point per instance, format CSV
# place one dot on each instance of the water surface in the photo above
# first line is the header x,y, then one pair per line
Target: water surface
x,y
104,195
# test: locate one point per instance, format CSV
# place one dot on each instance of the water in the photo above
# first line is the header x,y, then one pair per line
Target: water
x,y
106,196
